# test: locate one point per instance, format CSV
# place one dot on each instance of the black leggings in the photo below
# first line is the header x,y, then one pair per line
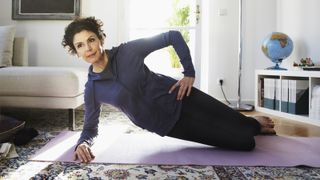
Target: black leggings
x,y
208,121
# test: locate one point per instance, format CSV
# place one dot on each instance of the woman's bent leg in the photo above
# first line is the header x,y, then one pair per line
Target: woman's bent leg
x,y
206,120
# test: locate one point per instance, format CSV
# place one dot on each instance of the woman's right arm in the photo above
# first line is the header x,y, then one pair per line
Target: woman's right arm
x,y
90,127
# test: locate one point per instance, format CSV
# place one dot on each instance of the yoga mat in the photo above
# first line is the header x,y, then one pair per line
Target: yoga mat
x,y
148,148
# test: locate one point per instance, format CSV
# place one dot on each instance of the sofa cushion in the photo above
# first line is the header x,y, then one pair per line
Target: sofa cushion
x,y
42,81
6,45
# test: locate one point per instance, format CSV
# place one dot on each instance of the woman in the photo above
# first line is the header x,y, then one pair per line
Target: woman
x,y
153,101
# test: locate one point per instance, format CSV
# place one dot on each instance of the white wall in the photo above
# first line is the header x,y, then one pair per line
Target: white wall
x,y
223,54
44,36
301,22
259,18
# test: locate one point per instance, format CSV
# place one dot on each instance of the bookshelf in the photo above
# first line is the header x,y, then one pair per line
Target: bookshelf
x,y
312,78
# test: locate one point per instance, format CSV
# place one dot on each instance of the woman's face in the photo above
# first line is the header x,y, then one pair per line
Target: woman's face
x,y
88,46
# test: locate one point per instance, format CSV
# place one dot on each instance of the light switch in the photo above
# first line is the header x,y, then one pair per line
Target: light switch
x,y
223,12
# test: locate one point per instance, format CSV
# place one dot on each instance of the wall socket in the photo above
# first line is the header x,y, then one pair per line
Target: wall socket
x,y
220,81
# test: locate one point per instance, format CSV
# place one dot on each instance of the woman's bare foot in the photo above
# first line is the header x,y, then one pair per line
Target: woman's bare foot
x,y
267,125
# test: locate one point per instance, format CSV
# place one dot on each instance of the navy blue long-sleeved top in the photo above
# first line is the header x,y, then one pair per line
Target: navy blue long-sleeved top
x,y
129,85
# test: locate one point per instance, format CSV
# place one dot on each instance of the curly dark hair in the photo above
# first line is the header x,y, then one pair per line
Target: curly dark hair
x,y
79,24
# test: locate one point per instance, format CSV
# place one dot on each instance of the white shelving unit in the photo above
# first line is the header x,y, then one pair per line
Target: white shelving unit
x,y
312,76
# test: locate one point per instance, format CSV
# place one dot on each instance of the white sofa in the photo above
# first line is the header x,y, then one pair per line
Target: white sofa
x,y
26,86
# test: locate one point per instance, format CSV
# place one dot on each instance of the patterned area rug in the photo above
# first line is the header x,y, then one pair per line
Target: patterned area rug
x,y
50,123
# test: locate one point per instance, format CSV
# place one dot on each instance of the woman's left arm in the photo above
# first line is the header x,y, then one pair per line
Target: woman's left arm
x,y
145,46
182,49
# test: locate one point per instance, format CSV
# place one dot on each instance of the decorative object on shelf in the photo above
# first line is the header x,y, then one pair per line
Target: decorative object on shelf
x,y
277,46
307,62
307,65
45,9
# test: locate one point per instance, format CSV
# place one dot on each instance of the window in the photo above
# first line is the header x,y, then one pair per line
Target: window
x,y
150,17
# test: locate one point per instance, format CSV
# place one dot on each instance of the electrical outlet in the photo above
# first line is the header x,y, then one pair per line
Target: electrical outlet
x,y
220,81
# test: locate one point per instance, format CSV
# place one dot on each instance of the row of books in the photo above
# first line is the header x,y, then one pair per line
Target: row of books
x,y
286,95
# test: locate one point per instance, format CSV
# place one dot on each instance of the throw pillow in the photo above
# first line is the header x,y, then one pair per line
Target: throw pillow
x,y
7,34
8,127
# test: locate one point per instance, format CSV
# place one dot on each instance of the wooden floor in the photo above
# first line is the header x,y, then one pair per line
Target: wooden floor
x,y
287,127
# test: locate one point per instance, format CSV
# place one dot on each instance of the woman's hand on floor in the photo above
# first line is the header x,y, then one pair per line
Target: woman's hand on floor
x,y
185,86
83,153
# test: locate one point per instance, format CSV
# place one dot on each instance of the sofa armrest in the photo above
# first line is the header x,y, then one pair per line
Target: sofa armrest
x,y
20,52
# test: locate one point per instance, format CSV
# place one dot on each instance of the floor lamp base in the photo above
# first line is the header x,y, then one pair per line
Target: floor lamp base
x,y
242,107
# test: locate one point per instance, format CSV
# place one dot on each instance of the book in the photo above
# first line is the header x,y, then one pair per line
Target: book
x,y
298,97
315,103
269,99
260,91
311,68
284,95
278,94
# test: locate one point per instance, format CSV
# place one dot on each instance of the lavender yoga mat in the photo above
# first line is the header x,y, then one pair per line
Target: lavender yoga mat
x,y
148,148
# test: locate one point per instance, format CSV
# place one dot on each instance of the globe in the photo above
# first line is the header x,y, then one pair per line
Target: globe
x,y
277,46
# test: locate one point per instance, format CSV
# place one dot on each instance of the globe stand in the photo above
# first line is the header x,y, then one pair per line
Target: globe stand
x,y
276,67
